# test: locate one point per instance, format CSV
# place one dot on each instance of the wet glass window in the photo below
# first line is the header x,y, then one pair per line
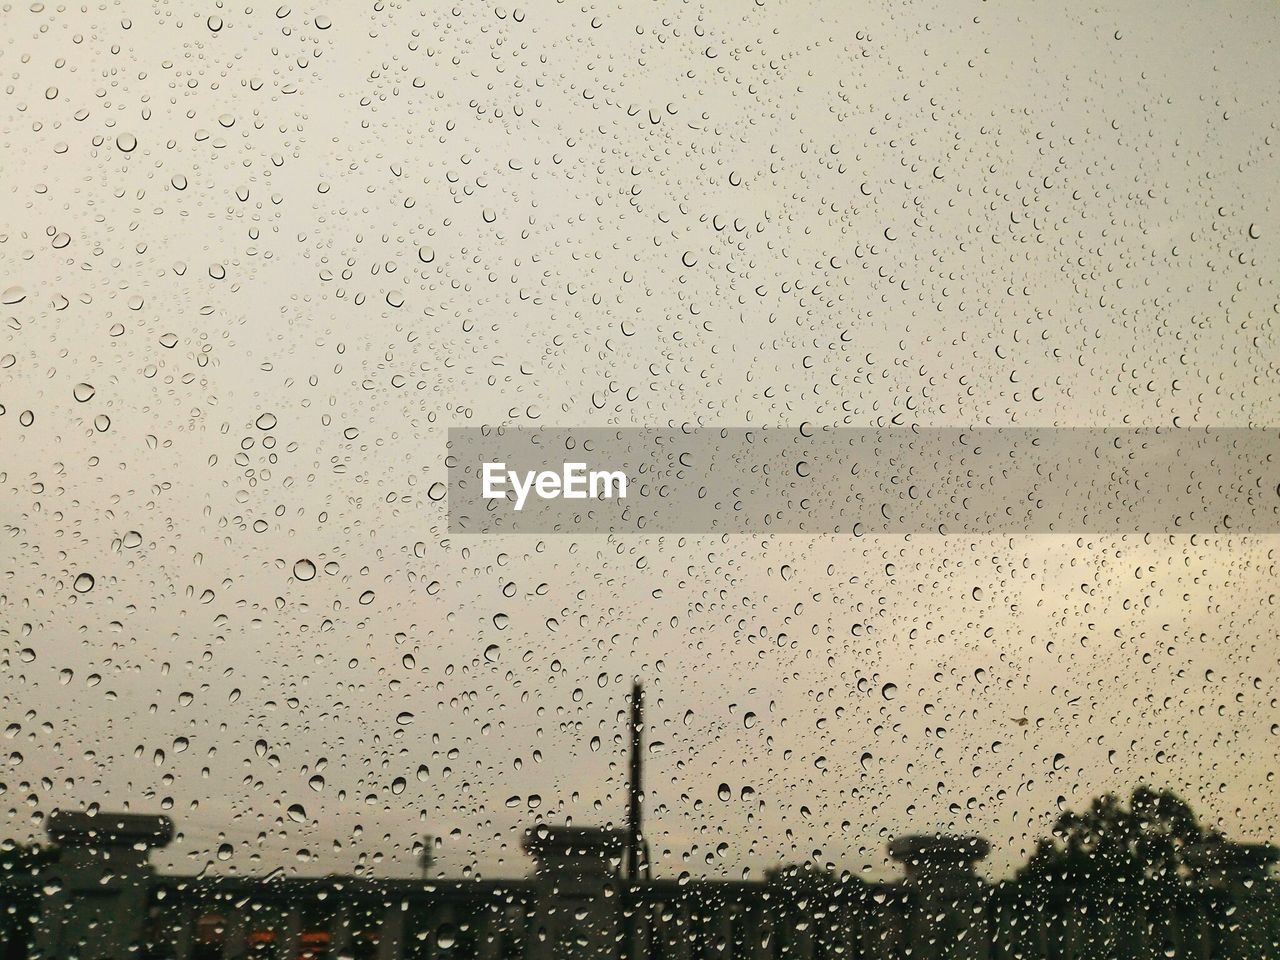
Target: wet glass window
x,y
750,480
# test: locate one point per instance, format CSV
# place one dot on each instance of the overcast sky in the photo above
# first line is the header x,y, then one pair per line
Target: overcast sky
x,y
256,262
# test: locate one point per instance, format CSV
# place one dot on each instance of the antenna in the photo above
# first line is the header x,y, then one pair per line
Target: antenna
x,y
427,858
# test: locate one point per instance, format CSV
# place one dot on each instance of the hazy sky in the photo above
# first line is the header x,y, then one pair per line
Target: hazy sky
x,y
256,261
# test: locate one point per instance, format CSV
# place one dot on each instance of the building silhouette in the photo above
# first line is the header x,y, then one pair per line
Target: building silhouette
x,y
101,900
590,897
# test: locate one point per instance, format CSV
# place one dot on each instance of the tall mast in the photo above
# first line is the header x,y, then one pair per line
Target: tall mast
x,y
637,861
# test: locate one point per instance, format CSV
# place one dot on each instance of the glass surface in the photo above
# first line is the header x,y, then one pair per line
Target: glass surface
x,y
281,680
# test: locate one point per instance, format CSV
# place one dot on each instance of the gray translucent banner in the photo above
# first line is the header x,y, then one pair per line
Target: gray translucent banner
x,y
863,481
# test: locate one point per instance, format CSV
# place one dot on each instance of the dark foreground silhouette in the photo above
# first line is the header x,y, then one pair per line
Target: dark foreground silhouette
x,y
1130,881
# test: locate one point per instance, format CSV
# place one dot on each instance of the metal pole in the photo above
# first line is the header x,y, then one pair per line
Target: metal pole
x,y
637,863
637,858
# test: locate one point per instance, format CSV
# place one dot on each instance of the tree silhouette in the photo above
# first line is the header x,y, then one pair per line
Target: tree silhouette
x,y
1114,849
